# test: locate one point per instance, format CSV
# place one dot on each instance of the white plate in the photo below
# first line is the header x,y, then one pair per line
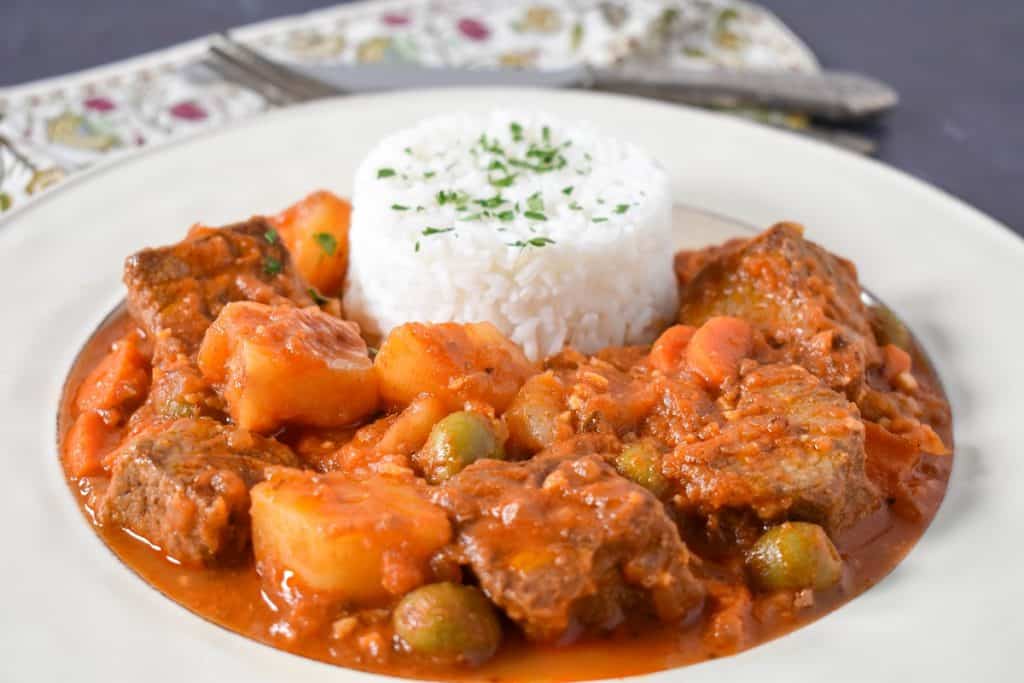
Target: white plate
x,y
950,612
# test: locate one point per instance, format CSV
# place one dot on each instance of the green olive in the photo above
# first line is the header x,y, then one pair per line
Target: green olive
x,y
888,328
794,556
449,622
640,462
456,442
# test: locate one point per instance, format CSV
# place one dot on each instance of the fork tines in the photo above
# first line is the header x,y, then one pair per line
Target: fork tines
x,y
279,84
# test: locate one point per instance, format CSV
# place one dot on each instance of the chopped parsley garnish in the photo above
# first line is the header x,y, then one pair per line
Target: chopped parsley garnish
x,y
622,208
507,215
567,190
327,242
535,215
271,265
491,203
534,202
545,134
532,242
516,130
427,232
497,166
270,236
417,248
473,217
452,197
503,182
408,151
318,298
399,207
427,175
385,172
599,219
575,206
492,147
547,160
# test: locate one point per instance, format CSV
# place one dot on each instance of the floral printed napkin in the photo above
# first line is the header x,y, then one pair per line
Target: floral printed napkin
x,y
52,129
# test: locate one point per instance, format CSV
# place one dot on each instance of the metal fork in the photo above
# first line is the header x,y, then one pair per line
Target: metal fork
x,y
281,86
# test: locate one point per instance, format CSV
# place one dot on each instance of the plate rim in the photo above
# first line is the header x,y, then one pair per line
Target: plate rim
x,y
975,216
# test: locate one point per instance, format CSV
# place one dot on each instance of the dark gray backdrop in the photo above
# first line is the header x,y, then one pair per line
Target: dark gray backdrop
x,y
958,64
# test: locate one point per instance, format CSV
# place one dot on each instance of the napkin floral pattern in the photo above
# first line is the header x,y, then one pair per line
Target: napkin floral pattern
x,y
57,128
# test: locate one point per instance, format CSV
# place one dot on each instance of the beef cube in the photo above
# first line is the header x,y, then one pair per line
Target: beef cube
x,y
564,544
185,488
176,291
803,300
781,444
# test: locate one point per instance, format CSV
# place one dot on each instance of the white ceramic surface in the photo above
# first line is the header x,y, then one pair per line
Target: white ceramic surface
x,y
950,612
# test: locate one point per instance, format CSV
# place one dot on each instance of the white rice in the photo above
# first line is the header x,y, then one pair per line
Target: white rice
x,y
577,252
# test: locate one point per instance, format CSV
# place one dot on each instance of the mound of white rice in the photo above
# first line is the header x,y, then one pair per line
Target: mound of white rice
x,y
549,230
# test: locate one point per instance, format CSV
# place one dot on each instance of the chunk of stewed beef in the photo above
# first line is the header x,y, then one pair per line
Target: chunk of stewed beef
x,y
780,443
804,300
563,544
185,488
176,291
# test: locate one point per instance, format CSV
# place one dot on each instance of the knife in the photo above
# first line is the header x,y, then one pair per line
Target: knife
x,y
831,95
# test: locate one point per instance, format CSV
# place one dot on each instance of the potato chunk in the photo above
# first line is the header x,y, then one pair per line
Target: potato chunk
x,y
277,365
315,231
458,363
348,541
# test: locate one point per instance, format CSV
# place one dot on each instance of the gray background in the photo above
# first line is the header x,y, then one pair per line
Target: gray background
x,y
958,65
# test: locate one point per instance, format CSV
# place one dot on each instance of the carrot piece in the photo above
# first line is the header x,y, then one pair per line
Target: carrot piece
x,y
889,461
315,231
718,346
119,382
897,361
669,349
86,443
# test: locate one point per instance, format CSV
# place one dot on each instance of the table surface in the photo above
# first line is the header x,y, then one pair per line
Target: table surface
x,y
957,66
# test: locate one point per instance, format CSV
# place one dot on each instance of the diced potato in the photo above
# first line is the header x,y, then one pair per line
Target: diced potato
x,y
315,231
534,418
458,363
344,539
278,364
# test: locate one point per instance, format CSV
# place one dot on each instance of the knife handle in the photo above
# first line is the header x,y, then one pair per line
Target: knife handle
x,y
832,95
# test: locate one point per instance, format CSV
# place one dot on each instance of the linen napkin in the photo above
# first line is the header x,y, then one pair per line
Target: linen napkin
x,y
53,129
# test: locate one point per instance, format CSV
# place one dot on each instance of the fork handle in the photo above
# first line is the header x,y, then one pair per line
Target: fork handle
x,y
831,95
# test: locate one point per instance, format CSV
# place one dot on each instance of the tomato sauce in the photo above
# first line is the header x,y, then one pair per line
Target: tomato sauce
x,y
232,597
